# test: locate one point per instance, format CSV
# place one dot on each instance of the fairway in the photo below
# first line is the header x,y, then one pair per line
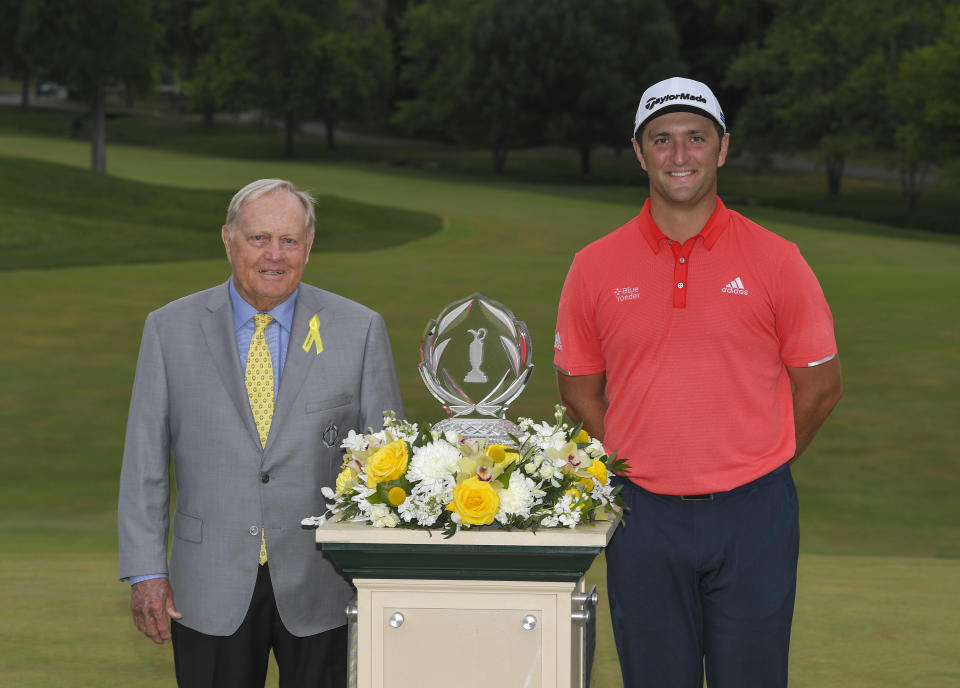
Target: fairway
x,y
880,520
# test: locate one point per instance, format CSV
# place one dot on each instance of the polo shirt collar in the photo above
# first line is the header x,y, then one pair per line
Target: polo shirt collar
x,y
710,233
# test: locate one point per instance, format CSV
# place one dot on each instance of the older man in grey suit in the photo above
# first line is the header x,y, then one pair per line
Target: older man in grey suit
x,y
249,386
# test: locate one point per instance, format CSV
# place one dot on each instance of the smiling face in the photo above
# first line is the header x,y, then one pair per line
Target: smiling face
x,y
269,249
681,152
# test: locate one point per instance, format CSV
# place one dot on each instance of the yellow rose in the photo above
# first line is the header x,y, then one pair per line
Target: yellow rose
x,y
388,463
582,437
599,471
475,501
346,480
396,495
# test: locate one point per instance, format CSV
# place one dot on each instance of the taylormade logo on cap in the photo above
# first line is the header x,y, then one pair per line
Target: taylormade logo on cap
x,y
653,102
678,94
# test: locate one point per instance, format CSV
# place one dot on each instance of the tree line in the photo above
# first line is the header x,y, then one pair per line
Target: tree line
x,y
833,77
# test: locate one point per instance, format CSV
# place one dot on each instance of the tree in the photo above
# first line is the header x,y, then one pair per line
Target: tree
x,y
923,100
819,77
354,67
607,53
293,59
92,46
929,85
804,89
13,60
433,50
711,34
508,74
181,43
511,64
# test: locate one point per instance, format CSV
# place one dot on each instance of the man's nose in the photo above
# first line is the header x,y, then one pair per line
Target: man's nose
x,y
679,153
273,251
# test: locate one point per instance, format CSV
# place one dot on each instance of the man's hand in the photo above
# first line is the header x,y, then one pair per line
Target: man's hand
x,y
151,602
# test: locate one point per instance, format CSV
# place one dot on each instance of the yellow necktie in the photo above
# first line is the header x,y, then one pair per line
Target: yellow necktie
x,y
259,381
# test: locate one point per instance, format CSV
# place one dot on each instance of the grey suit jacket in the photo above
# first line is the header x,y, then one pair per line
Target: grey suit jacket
x,y
189,401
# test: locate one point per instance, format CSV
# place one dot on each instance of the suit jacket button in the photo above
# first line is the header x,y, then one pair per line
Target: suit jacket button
x,y
254,530
264,478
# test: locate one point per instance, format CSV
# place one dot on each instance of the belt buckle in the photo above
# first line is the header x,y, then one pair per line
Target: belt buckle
x,y
697,498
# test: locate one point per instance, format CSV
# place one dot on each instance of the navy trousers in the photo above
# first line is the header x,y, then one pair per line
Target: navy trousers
x,y
705,584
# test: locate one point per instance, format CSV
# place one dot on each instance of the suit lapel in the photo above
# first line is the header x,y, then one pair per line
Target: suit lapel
x,y
298,363
218,329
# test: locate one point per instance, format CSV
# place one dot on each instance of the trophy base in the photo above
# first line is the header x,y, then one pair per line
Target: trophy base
x,y
489,430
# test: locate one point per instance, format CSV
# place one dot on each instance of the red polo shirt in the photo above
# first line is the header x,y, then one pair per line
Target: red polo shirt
x,y
694,340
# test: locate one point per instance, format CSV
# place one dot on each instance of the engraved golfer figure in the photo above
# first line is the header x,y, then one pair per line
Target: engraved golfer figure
x,y
476,356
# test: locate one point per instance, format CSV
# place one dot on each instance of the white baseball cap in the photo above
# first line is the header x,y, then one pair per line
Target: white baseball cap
x,y
678,94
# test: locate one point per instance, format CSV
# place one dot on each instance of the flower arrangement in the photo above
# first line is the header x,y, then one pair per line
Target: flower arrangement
x,y
411,477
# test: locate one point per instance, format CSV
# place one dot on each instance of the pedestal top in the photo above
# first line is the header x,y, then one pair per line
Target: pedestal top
x,y
558,554
596,534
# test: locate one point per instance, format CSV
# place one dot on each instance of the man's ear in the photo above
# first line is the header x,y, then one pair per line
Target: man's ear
x,y
724,145
639,151
313,236
225,235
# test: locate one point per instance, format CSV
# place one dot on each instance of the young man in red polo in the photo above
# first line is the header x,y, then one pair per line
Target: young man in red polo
x,y
700,347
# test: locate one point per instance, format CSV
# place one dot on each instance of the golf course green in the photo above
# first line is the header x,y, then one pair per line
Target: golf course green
x,y
85,258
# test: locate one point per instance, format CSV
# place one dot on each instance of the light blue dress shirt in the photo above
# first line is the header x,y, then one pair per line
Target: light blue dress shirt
x,y
278,341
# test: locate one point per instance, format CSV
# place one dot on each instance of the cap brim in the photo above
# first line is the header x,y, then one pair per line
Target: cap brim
x,y
666,110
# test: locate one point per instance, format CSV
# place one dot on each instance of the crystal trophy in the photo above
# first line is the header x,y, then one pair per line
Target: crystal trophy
x,y
475,360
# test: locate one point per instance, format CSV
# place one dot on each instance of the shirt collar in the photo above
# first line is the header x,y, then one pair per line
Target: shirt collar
x,y
243,311
710,233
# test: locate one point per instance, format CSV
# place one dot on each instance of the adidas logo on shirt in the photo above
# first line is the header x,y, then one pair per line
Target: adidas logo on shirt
x,y
557,342
735,287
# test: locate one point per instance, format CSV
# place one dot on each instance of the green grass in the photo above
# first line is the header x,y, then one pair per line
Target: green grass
x,y
880,545
96,220
864,199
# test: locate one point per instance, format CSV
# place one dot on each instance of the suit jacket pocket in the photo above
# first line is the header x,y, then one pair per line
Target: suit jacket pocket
x,y
329,403
189,528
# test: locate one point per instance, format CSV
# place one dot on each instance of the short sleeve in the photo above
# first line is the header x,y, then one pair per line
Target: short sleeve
x,y
804,321
576,345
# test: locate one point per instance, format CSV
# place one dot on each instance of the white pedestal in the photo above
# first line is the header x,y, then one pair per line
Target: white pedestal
x,y
484,609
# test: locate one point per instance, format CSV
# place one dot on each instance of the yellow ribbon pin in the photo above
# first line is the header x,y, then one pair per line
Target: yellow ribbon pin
x,y
313,337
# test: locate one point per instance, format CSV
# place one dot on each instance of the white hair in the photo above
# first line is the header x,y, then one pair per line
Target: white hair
x,y
262,187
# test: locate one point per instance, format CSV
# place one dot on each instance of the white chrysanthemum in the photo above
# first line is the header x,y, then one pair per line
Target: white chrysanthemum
x,y
382,517
407,432
354,442
547,470
518,498
426,502
436,462
564,514
595,449
602,493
